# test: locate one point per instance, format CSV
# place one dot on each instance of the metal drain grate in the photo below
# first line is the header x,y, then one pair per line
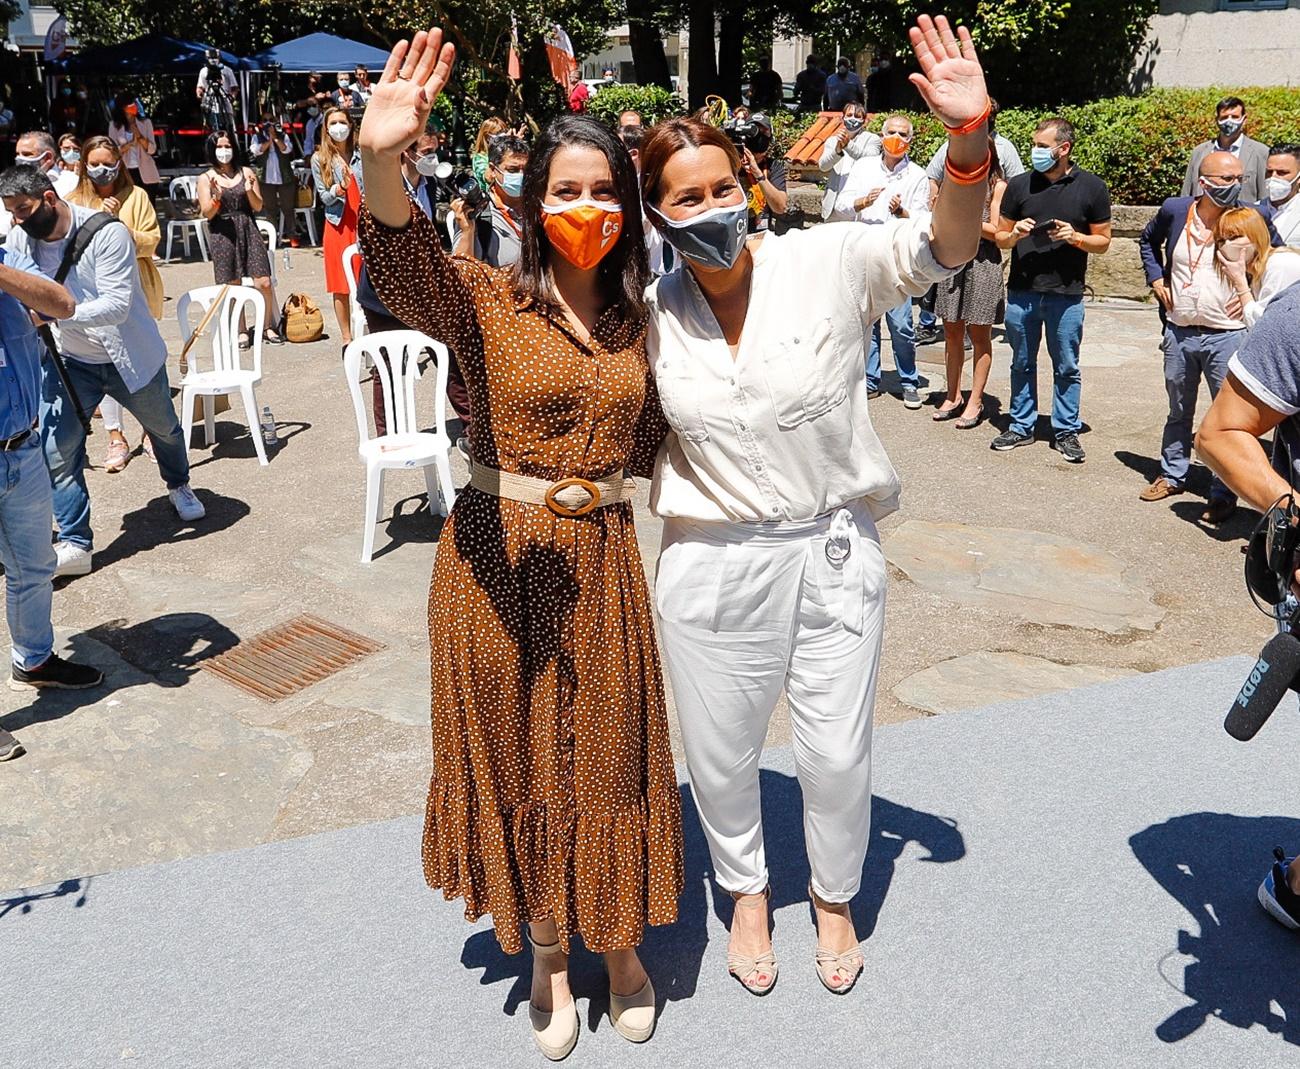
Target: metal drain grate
x,y
292,657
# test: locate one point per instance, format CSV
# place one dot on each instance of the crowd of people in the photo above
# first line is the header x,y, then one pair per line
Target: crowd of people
x,y
629,302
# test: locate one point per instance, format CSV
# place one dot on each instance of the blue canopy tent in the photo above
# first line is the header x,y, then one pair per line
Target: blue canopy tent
x,y
322,52
154,53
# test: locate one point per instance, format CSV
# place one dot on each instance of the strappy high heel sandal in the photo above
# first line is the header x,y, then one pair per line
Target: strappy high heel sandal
x,y
555,1031
848,963
746,969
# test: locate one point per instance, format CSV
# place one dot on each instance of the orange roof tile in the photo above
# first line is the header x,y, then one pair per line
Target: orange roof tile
x,y
808,149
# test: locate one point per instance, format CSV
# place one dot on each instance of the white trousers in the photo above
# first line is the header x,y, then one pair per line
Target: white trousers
x,y
744,611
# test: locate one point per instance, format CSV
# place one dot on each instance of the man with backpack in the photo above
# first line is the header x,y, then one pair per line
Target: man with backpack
x,y
111,347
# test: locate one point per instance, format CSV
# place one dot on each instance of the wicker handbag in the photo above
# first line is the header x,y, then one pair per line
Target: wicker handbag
x,y
301,320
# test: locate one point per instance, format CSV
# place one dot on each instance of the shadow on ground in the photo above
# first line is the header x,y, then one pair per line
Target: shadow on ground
x,y
157,524
22,903
675,954
235,440
1243,963
168,648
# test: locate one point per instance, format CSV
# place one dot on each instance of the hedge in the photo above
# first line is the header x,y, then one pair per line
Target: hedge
x,y
1138,144
651,101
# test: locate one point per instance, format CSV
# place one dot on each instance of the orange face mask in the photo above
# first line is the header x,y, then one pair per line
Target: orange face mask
x,y
895,144
583,231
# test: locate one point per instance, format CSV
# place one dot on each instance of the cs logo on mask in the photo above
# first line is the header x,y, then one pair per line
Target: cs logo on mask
x,y
609,231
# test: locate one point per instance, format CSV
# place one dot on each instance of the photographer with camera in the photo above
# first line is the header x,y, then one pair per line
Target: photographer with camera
x,y
217,90
488,228
272,148
1261,393
763,178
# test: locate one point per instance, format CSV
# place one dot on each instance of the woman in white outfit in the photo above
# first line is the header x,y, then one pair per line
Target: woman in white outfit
x,y
771,574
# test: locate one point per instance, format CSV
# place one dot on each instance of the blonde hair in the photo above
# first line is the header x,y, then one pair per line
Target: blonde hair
x,y
328,150
487,130
85,192
1245,223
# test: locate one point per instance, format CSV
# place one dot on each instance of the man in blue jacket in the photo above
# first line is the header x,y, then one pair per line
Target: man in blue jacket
x,y
1195,300
25,509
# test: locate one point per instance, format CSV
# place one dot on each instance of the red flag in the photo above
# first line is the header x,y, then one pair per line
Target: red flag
x,y
559,50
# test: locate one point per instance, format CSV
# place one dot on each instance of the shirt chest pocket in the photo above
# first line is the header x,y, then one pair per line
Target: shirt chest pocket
x,y
679,394
805,373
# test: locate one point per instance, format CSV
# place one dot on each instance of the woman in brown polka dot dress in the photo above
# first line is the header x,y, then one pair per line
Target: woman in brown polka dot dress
x,y
554,800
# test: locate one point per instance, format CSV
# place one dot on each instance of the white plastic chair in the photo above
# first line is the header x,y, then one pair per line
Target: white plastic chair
x,y
395,355
356,315
309,215
267,229
187,187
228,375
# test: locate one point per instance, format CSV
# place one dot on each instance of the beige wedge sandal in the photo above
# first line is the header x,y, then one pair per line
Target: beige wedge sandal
x,y
848,963
633,1016
555,1031
746,970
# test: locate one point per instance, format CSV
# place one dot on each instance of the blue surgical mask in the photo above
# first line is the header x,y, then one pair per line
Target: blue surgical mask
x,y
71,156
512,183
713,238
1043,159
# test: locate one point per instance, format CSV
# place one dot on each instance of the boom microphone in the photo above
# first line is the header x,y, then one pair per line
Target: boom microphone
x,y
1276,672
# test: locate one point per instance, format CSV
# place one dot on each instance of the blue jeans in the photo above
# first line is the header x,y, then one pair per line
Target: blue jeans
x,y
925,319
27,553
903,338
1191,352
1029,315
65,441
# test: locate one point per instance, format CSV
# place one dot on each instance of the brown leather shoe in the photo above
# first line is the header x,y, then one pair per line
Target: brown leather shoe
x,y
1159,490
1218,512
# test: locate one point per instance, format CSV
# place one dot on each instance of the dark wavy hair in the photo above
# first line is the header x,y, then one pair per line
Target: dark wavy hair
x,y
624,273
210,149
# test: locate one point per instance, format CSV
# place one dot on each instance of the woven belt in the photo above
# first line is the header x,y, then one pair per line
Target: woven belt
x,y
569,497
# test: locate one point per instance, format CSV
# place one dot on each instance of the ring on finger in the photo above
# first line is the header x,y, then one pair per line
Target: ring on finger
x,y
403,77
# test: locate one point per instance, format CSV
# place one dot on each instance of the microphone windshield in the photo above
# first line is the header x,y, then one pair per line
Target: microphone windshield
x,y
1274,672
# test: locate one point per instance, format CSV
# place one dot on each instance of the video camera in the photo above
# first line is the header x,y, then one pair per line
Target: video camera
x,y
212,61
459,182
1270,565
753,132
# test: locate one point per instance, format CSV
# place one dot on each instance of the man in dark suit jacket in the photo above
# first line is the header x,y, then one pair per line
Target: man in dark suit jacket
x,y
1201,329
1231,116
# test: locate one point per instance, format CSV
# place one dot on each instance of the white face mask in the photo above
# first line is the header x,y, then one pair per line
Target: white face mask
x,y
339,131
1279,189
225,155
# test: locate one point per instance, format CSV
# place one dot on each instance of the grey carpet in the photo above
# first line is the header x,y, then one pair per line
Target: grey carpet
x,y
1067,881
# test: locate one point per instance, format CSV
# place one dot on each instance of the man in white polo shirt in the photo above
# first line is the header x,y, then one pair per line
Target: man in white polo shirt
x,y
879,188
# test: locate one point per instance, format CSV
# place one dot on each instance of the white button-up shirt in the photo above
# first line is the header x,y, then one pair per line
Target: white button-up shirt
x,y
782,431
1286,221
905,179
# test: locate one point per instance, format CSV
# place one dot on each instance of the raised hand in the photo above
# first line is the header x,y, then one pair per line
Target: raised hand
x,y
399,106
951,81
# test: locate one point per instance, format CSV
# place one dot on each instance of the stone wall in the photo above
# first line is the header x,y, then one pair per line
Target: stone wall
x,y
1196,43
1116,274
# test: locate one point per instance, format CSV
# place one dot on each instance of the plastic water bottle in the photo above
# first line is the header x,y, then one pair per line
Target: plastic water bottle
x,y
286,257
269,437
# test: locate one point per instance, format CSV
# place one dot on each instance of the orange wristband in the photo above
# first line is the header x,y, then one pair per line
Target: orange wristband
x,y
968,178
974,124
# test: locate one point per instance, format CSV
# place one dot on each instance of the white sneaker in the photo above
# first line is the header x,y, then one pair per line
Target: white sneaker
x,y
72,559
188,507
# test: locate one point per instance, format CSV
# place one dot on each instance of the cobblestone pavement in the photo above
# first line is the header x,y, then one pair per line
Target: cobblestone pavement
x,y
1018,554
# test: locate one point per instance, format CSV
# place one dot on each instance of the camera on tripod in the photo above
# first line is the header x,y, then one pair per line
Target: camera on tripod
x,y
212,60
753,132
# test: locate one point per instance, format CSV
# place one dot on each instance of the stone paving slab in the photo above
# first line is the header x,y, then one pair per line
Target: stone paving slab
x,y
985,678
1061,883
1032,575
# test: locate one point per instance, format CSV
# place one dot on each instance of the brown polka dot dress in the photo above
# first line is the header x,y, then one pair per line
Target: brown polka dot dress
x,y
553,791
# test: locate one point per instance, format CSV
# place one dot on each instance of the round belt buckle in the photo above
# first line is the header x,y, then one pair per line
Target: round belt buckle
x,y
837,552
561,509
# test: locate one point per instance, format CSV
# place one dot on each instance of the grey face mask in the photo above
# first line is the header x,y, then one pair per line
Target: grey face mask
x,y
711,239
102,176
1224,196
